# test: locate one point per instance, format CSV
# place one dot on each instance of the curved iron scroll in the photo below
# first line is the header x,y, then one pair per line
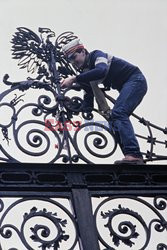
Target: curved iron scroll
x,y
56,128
126,222
36,226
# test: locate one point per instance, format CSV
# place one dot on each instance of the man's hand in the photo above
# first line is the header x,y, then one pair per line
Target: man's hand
x,y
65,83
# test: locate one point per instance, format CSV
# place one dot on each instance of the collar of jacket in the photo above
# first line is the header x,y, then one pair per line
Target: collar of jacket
x,y
86,63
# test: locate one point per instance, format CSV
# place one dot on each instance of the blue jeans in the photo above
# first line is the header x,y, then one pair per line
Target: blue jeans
x,y
129,98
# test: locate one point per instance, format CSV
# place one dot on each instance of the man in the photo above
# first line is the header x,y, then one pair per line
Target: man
x,y
118,74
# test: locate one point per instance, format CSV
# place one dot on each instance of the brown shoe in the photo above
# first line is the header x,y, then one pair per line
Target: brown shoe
x,y
130,160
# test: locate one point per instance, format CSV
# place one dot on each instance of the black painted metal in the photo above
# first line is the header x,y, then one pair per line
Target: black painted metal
x,y
119,191
86,223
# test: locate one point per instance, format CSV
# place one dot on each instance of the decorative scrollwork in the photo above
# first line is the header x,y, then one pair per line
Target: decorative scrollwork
x,y
161,246
160,203
40,228
125,226
95,141
44,231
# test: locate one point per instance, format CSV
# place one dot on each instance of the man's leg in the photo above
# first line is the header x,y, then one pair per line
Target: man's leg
x,y
130,96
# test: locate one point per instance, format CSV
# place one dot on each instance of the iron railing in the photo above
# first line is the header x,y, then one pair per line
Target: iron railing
x,y
44,206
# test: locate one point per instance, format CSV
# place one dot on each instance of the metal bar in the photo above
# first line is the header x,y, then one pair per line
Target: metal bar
x,y
87,228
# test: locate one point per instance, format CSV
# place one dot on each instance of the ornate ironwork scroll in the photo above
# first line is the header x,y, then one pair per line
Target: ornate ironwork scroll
x,y
127,222
41,223
45,123
71,207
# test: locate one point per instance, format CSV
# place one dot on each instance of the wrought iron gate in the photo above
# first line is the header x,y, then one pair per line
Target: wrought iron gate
x,y
83,207
74,206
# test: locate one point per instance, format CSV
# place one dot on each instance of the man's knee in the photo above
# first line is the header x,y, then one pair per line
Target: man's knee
x,y
118,114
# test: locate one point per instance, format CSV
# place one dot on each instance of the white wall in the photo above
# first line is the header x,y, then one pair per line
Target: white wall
x,y
135,30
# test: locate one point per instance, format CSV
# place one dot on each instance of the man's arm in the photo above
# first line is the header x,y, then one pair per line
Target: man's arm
x,y
98,67
88,99
67,82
